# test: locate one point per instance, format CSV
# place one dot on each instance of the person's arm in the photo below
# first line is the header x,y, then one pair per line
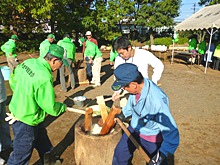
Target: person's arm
x,y
127,110
95,42
84,47
157,65
45,98
169,131
112,56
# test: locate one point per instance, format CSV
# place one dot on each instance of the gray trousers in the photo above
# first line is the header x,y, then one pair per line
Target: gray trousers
x,y
5,138
71,73
12,63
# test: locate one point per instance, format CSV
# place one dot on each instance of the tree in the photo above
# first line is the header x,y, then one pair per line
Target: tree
x,y
156,13
208,2
108,16
23,15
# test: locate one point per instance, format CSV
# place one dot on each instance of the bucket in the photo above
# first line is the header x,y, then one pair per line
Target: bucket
x,y
5,72
79,101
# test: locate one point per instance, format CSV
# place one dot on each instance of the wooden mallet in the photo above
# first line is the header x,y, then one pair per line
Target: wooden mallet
x,y
137,145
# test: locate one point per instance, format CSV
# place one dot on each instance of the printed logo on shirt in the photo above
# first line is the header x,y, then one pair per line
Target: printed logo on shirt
x,y
28,70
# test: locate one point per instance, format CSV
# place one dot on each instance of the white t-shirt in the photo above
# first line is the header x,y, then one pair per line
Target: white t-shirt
x,y
143,58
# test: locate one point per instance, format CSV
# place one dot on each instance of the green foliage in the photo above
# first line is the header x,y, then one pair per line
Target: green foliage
x,y
105,19
157,13
208,2
25,16
168,41
182,41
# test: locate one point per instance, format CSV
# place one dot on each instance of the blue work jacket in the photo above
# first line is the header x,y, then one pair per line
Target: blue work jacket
x,y
151,116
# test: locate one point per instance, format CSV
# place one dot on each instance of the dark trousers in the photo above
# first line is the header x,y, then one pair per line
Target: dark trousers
x,y
88,69
125,148
26,138
71,73
216,63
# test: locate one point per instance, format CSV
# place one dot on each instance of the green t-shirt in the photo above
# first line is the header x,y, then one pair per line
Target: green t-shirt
x,y
69,47
44,48
192,44
9,47
217,51
92,50
202,47
33,92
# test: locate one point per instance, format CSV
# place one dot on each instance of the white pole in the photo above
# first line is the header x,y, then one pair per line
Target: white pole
x,y
172,54
210,41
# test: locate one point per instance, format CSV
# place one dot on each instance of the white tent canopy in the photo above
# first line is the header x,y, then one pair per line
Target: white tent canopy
x,y
205,18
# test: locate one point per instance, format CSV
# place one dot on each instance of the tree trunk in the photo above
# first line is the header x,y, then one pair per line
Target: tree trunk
x,y
95,149
151,39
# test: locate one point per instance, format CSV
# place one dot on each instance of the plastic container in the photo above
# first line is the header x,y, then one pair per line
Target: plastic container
x,y
79,101
5,72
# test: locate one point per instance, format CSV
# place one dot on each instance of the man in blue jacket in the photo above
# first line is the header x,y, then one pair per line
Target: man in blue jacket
x,y
152,123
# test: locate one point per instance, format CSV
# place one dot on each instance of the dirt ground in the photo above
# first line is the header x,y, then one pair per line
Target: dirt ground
x,y
194,103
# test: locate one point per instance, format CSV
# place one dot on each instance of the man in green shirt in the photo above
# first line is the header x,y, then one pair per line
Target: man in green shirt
x,y
217,56
44,46
33,98
94,56
192,46
10,51
70,51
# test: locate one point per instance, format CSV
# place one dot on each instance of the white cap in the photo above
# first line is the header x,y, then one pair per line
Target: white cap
x,y
88,33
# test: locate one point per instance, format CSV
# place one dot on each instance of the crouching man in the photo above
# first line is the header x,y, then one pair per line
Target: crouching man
x,y
33,98
152,124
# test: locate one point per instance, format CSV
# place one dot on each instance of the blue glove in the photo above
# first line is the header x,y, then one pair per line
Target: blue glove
x,y
158,159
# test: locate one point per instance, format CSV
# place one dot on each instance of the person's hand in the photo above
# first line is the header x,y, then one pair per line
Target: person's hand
x,y
120,116
158,159
115,95
90,61
84,57
11,119
111,63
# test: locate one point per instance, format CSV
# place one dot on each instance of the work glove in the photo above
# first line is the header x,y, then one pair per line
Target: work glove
x,y
120,116
11,119
158,159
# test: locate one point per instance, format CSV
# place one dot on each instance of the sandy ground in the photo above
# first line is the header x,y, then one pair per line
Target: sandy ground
x,y
194,103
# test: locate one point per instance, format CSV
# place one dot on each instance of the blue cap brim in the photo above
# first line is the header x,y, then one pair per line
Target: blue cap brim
x,y
117,85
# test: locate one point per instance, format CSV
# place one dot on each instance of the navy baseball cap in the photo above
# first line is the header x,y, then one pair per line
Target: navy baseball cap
x,y
124,74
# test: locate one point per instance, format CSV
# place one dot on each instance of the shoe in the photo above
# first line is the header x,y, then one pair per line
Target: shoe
x,y
96,85
5,154
2,161
50,159
92,82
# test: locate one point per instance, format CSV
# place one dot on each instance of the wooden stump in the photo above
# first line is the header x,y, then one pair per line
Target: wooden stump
x,y
82,74
95,149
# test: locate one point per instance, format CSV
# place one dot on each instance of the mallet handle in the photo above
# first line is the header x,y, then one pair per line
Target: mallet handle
x,y
137,145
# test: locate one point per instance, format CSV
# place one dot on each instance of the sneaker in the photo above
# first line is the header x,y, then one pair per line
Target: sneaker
x,y
2,161
96,85
92,82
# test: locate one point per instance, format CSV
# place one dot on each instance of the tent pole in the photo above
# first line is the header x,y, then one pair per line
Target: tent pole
x,y
172,54
210,41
